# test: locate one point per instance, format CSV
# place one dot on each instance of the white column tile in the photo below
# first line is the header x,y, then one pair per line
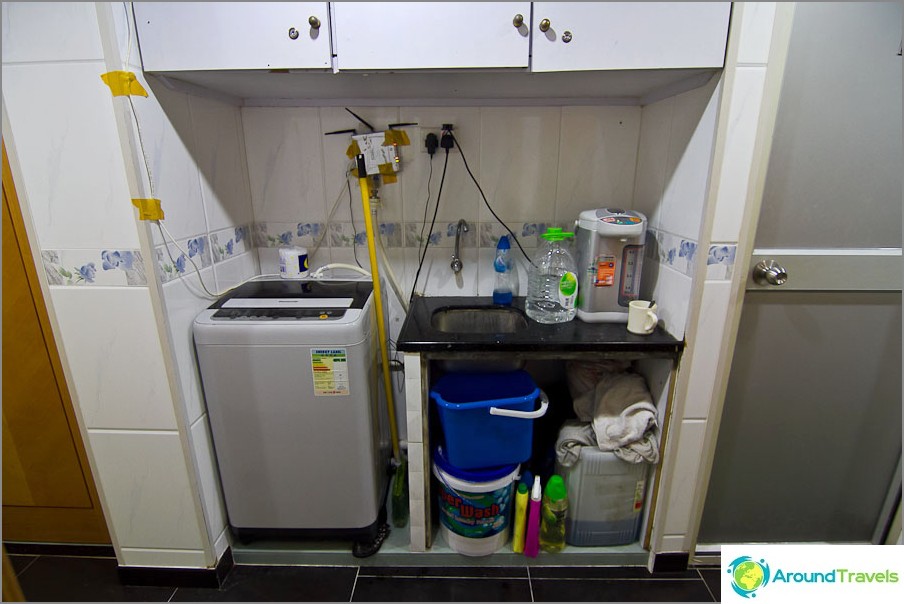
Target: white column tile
x,y
110,341
147,490
707,347
50,31
209,477
171,558
756,32
182,302
672,543
682,491
65,139
744,113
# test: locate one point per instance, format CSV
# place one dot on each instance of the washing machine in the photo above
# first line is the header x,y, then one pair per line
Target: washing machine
x,y
289,373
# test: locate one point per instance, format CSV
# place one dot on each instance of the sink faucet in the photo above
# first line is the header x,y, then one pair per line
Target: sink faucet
x,y
456,258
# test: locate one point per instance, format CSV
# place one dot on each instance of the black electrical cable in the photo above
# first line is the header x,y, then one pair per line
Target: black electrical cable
x,y
439,195
351,213
426,203
477,184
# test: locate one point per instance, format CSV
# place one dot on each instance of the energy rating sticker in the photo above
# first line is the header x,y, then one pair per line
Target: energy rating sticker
x,y
330,369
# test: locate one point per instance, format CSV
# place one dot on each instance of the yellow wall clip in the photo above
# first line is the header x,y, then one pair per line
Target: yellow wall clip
x,y
148,209
123,83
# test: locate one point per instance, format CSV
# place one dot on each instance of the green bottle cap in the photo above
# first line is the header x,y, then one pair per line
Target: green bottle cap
x,y
522,488
556,234
555,488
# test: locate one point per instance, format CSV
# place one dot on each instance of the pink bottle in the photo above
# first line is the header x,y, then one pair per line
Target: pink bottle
x,y
532,540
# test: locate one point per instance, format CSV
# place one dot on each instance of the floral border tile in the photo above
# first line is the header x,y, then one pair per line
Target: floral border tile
x,y
413,236
391,232
307,234
343,234
528,233
94,267
229,242
274,234
675,252
171,262
720,261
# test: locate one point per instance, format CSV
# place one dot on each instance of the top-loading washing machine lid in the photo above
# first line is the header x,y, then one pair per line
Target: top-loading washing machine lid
x,y
292,300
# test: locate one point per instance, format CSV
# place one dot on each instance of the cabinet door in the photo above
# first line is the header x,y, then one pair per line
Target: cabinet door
x,y
233,35
629,35
431,35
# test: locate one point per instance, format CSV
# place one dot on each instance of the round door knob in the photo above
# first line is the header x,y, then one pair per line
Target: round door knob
x,y
518,21
544,25
566,37
769,272
314,22
293,33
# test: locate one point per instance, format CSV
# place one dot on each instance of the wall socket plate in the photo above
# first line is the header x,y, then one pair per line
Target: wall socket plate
x,y
421,133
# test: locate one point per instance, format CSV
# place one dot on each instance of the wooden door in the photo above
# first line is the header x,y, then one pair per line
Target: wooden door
x,y
48,491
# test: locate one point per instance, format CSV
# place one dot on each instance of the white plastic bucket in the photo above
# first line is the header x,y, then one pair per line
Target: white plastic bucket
x,y
475,514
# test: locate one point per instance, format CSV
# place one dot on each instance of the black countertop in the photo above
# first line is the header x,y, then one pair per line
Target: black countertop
x,y
419,335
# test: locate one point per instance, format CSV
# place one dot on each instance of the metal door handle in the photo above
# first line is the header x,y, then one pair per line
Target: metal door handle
x,y
314,22
544,25
769,272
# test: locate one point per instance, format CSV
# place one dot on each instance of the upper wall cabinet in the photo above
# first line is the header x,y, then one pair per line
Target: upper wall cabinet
x,y
431,35
584,36
233,35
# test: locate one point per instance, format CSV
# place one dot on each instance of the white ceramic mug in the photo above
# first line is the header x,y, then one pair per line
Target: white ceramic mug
x,y
642,317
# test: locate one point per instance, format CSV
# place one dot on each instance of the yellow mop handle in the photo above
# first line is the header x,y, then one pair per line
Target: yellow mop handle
x,y
378,300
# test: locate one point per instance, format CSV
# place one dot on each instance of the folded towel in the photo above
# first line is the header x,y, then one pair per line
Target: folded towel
x,y
572,436
623,416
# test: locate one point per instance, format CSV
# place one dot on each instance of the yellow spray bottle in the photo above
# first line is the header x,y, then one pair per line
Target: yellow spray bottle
x,y
521,498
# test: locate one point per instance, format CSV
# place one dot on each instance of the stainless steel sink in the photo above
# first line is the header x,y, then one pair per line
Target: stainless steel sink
x,y
478,319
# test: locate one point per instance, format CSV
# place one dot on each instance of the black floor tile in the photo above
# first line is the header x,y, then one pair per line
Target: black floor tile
x,y
277,584
396,589
20,563
713,578
605,572
61,579
614,590
499,572
60,549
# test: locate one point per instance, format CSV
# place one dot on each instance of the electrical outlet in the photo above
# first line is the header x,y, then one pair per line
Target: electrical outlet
x,y
423,131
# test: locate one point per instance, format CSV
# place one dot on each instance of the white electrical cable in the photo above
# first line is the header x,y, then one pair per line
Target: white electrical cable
x,y
393,281
318,274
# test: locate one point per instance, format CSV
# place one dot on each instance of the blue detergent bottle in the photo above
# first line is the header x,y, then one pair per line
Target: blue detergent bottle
x,y
503,290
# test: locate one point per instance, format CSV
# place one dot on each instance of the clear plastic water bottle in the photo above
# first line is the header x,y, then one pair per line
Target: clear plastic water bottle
x,y
552,282
503,289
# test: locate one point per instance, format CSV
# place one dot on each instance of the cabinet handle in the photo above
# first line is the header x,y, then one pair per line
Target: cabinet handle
x,y
518,21
314,22
566,37
544,25
293,33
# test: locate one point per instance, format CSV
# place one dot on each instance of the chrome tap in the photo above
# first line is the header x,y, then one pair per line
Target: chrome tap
x,y
456,258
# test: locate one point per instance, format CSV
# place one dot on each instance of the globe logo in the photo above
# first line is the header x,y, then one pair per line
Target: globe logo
x,y
748,575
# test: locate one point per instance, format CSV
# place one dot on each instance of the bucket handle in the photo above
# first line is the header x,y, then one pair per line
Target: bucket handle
x,y
544,405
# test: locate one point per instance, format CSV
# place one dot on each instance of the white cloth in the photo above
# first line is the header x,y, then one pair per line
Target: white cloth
x,y
623,416
572,436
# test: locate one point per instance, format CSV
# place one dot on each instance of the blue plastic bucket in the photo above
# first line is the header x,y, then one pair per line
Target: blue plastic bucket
x,y
475,505
487,418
